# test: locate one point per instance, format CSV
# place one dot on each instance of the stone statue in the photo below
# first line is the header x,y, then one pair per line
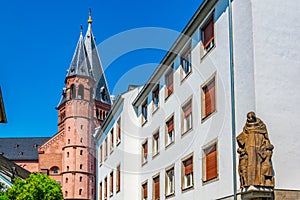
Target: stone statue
x,y
255,152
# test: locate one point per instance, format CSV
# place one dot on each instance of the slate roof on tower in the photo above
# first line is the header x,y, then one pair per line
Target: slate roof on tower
x,y
101,88
86,62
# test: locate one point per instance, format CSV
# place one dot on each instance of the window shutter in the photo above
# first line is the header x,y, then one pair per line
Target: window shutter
x,y
211,165
145,146
208,32
170,125
156,188
209,92
187,109
145,190
188,166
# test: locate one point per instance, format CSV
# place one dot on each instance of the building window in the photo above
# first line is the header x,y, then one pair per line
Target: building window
x,y
156,185
81,152
66,193
73,91
207,35
155,144
111,184
100,191
80,191
68,154
111,139
119,131
170,182
144,112
80,92
208,98
185,61
155,98
187,118
100,155
169,81
118,179
145,191
105,188
67,180
80,166
54,170
69,139
80,179
170,133
210,164
145,152
105,148
68,168
187,173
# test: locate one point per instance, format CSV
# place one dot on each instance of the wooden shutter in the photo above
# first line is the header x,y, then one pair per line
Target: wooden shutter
x,y
156,188
211,165
170,125
145,190
187,109
188,166
209,92
145,147
170,82
208,33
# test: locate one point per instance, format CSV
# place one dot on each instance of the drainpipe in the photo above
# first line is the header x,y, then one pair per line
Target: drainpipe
x,y
231,60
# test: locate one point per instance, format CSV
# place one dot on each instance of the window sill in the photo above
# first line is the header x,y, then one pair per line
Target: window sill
x,y
167,96
204,118
188,188
185,77
155,155
207,52
186,132
170,195
144,122
170,144
154,109
210,180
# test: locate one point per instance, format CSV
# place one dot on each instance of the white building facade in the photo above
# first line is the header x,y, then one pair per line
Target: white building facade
x,y
176,131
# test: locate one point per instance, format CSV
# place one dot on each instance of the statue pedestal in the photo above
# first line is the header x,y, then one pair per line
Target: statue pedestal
x,y
257,193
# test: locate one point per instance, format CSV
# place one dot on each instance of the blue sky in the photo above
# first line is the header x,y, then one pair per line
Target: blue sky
x,y
38,39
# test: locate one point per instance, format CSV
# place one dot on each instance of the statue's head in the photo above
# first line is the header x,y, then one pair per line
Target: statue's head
x,y
251,117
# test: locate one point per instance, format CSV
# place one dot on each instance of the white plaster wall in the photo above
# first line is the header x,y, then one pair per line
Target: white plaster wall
x,y
276,27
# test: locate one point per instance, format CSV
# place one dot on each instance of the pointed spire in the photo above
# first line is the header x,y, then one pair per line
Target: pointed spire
x,y
90,17
80,64
101,88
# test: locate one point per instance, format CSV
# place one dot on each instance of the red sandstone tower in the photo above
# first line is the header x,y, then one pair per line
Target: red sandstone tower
x,y
69,156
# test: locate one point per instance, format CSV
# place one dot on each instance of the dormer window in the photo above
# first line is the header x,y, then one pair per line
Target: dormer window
x,y
103,94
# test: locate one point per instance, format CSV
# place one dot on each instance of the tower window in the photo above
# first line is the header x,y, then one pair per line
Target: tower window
x,y
80,191
67,180
80,92
81,152
72,91
80,179
80,166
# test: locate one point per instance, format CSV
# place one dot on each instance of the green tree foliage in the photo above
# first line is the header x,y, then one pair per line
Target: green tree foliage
x,y
36,187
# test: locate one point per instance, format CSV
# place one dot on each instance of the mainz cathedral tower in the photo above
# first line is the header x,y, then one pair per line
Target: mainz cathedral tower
x,y
69,156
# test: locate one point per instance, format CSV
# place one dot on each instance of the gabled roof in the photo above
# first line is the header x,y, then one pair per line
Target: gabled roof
x,y
11,169
21,148
80,64
101,88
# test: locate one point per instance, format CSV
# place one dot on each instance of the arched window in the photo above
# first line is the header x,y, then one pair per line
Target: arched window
x,y
72,91
66,193
67,180
101,115
80,179
80,166
54,170
80,92
80,191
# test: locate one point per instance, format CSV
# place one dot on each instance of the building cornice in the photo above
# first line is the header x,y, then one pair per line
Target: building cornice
x,y
184,37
